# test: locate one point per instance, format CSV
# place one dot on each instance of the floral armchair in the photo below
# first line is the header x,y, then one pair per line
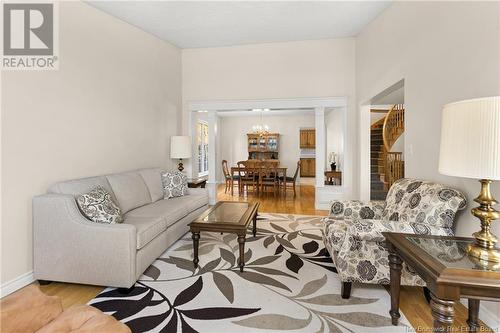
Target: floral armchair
x,y
353,231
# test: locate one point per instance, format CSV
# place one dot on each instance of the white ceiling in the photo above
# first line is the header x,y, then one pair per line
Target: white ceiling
x,y
192,24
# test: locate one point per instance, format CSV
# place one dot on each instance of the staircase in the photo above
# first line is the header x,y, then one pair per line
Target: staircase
x,y
386,166
378,186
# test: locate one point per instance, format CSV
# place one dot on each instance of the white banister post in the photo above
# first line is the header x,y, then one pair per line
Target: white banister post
x,y
212,166
320,146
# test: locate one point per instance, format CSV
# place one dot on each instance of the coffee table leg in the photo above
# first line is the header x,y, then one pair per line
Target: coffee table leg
x,y
241,243
254,229
395,265
196,241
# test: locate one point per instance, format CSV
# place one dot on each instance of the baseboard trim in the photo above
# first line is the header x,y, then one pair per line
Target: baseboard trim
x,y
486,316
15,284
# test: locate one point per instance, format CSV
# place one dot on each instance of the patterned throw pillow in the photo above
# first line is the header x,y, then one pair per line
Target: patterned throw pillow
x,y
98,206
174,184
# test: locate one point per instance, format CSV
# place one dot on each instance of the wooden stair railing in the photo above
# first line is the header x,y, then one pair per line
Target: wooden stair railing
x,y
382,157
394,127
394,167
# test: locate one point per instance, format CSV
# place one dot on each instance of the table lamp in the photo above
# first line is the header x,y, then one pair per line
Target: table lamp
x,y
180,147
470,148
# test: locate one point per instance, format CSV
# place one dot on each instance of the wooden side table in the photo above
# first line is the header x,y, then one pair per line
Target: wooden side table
x,y
333,177
197,182
442,262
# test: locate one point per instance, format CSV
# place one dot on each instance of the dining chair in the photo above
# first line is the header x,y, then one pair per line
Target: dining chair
x,y
291,180
269,177
230,178
248,175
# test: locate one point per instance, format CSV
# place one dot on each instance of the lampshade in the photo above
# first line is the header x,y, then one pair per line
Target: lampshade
x,y
180,147
470,139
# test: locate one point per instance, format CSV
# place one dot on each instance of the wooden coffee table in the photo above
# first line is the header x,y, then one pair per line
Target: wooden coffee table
x,y
226,216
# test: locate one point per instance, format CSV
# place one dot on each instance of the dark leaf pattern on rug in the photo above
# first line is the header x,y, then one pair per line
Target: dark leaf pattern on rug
x,y
294,263
123,308
278,264
153,272
225,286
128,307
189,293
217,313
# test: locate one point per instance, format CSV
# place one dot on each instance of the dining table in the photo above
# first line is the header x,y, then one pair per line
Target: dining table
x,y
280,169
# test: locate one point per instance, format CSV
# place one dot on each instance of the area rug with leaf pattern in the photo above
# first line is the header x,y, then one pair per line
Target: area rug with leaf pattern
x,y
289,284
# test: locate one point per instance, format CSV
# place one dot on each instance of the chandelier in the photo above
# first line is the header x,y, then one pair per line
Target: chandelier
x,y
260,128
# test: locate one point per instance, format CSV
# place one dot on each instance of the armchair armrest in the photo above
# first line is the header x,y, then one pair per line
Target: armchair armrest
x,y
355,209
371,230
70,248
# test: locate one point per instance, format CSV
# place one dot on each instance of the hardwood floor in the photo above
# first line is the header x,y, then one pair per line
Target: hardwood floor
x,y
413,303
303,203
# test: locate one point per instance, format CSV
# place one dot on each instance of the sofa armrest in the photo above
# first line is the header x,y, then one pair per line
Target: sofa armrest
x,y
371,230
355,209
70,248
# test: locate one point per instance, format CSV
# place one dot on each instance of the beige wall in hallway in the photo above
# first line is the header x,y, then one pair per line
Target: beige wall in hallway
x,y
444,51
111,106
265,71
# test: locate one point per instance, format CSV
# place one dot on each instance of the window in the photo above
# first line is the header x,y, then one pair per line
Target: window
x,y
202,141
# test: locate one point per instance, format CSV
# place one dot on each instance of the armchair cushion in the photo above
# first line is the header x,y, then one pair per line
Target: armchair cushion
x,y
355,209
371,230
367,262
416,201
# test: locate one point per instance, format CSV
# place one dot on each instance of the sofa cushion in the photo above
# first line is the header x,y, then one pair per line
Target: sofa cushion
x,y
147,228
130,190
152,178
172,210
197,200
98,206
80,186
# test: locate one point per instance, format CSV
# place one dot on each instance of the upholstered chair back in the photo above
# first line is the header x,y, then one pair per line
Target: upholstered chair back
x,y
415,201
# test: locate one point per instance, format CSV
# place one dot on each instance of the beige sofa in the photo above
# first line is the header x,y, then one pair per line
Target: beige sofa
x,y
70,248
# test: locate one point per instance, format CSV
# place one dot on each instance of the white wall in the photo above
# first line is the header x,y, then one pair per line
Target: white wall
x,y
444,51
111,106
376,116
233,137
335,125
447,51
267,71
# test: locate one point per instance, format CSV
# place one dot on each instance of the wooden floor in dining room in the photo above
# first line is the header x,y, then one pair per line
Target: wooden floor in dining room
x,y
413,303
